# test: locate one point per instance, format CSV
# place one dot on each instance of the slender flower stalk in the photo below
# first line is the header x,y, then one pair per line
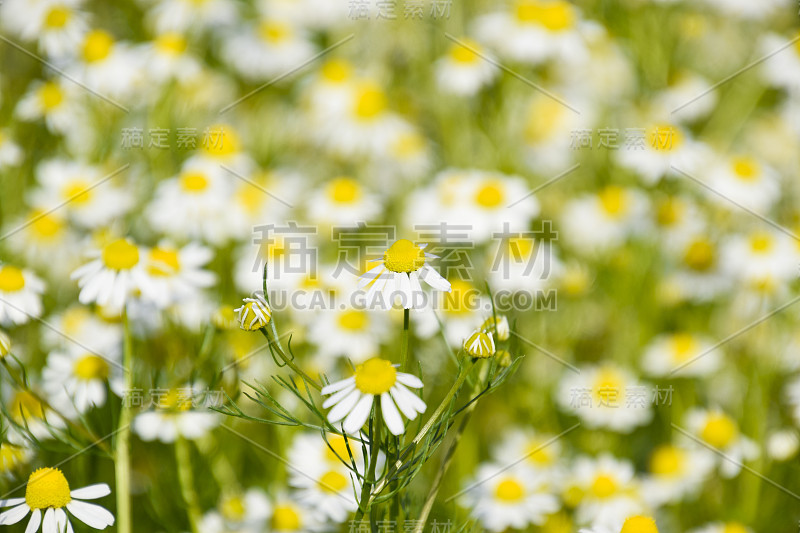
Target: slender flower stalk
x,y
404,341
186,479
122,460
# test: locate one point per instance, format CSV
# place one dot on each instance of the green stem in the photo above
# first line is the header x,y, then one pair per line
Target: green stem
x,y
186,479
122,460
273,339
404,338
369,480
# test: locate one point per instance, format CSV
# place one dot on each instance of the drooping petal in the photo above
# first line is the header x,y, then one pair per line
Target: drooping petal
x,y
91,492
408,397
34,522
61,520
90,514
337,386
359,415
405,406
405,290
390,415
49,523
370,275
409,380
344,407
14,515
336,398
11,502
434,279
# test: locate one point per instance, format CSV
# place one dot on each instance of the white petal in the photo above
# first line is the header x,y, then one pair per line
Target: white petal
x,y
336,398
359,415
49,524
405,290
432,278
408,397
337,386
409,380
61,520
341,409
405,407
91,492
413,278
369,276
90,514
11,502
14,515
34,522
390,415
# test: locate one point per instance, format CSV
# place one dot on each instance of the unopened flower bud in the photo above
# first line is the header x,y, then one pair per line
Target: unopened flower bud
x,y
254,313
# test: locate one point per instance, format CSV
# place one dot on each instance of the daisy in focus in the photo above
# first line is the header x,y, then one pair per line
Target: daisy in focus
x,y
48,498
398,275
20,295
352,399
176,274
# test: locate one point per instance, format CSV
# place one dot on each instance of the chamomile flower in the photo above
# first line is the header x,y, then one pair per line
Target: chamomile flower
x,y
343,200
55,101
83,326
781,69
672,352
466,69
597,222
352,399
269,50
606,397
108,66
701,274
399,273
604,489
675,472
20,295
538,451
326,487
349,332
46,241
502,498
523,263
245,513
175,416
480,345
77,378
684,89
719,430
254,313
113,274
57,25
662,147
742,180
12,457
168,58
632,524
782,445
535,31
10,152
723,527
87,196
765,260
461,310
48,498
194,15
176,274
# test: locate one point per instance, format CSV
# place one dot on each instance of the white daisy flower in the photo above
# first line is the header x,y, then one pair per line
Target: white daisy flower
x,y
174,416
743,180
781,69
668,353
782,444
10,152
46,241
701,275
194,15
352,399
244,513
57,25
399,273
350,332
461,310
504,498
168,59
663,146
548,132
112,276
13,456
20,295
325,487
76,378
55,101
719,430
606,397
86,328
176,274
480,345
676,472
763,259
47,495
465,70
113,69
523,264
632,524
342,200
539,451
685,87
722,527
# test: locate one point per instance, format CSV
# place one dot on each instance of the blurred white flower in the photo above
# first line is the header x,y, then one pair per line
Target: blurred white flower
x,y
20,295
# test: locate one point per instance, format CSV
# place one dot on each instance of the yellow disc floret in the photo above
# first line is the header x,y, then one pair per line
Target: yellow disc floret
x,y
344,190
490,194
353,320
404,256
120,255
194,182
667,461
370,102
720,430
11,279
333,481
57,17
164,261
91,367
509,490
639,524
47,487
604,486
285,518
50,95
375,376
97,46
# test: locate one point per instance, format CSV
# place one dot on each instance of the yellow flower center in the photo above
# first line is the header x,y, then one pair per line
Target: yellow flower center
x,y
10,456
555,15
77,192
375,376
163,262
91,367
50,95
490,195
538,453
120,255
460,299
746,168
667,461
97,46
344,190
669,212
404,256
683,346
465,52
370,102
353,320
45,225
57,17
233,508
614,200
274,32
337,70
47,487
665,138
171,43
733,527
604,486
285,518
333,481
11,279
176,400
639,524
221,141
25,405
194,182
509,490
408,145
761,243
720,430
543,119
339,448
520,248
609,387
700,255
